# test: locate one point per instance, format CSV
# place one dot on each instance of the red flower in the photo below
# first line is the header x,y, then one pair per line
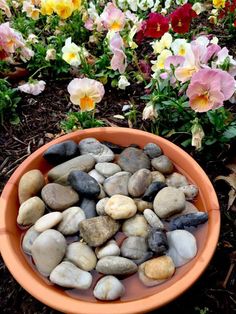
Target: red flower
x,y
157,25
230,7
139,36
3,54
181,18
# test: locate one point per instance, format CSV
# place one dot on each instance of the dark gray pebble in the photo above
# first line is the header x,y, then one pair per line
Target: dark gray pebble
x,y
89,207
84,184
157,241
117,149
152,150
152,190
61,152
189,220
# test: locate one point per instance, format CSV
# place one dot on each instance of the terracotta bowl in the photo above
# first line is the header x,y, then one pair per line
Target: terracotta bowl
x,y
143,299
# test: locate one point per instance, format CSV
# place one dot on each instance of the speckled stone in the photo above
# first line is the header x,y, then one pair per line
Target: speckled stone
x,y
117,184
152,150
132,159
139,182
163,164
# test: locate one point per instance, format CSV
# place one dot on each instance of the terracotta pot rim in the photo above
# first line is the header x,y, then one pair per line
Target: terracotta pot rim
x,y
67,304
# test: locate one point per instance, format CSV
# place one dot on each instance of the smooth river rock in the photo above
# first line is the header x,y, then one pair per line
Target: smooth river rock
x,y
58,153
97,176
117,184
81,255
120,207
29,238
158,176
71,217
84,184
152,190
156,271
176,180
132,159
169,201
111,248
139,182
190,191
30,211
116,265
163,164
188,220
136,226
152,150
59,174
89,207
48,250
100,206
48,221
157,241
107,169
182,246
67,275
96,231
134,248
153,220
108,288
30,185
142,205
93,147
59,197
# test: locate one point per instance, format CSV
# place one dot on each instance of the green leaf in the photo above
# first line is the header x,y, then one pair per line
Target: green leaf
x,y
230,132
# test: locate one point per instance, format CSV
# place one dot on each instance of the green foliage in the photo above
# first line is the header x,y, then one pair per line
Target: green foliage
x,y
8,102
80,120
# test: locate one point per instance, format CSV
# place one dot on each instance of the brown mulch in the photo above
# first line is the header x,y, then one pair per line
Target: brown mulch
x,y
214,292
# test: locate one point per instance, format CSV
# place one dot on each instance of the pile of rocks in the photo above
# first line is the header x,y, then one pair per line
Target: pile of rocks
x,y
95,190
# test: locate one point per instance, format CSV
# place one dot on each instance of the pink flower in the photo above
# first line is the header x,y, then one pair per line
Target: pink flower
x,y
118,61
208,89
10,39
34,88
113,18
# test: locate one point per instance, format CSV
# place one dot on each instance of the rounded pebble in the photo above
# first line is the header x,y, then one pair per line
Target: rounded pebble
x,y
81,255
111,248
153,220
107,169
30,211
100,206
116,265
48,221
163,164
136,226
71,217
120,207
152,150
108,288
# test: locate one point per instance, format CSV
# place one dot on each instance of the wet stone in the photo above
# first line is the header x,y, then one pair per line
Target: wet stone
x,y
163,164
84,184
188,220
29,238
120,207
157,241
71,217
58,153
152,150
134,248
93,147
59,174
30,185
81,255
152,190
111,248
30,211
132,159
67,275
117,184
59,197
96,231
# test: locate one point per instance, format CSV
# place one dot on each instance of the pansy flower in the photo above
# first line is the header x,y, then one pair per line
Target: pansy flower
x,y
156,25
181,18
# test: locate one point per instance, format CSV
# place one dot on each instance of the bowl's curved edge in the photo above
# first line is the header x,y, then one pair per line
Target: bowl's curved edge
x,y
138,306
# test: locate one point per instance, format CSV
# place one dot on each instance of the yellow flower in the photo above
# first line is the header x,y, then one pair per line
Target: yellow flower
x,y
47,7
160,45
64,8
218,3
85,93
160,62
76,4
71,53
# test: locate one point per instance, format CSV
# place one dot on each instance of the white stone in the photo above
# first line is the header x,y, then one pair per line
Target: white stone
x,y
108,288
120,207
48,221
97,176
71,217
176,180
81,255
153,220
100,206
109,249
67,275
107,169
182,246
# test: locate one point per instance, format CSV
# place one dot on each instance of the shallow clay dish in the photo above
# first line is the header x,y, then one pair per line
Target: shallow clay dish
x,y
144,299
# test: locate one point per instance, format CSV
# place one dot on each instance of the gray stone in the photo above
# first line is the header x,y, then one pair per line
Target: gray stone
x,y
84,184
89,207
152,190
153,220
28,240
30,211
48,221
93,147
30,185
158,176
100,206
108,288
132,159
116,265
48,250
152,150
169,201
67,275
111,248
139,182
81,255
59,174
176,180
134,248
157,241
96,231
117,184
59,197
190,191
136,226
58,153
71,217
107,169
163,164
